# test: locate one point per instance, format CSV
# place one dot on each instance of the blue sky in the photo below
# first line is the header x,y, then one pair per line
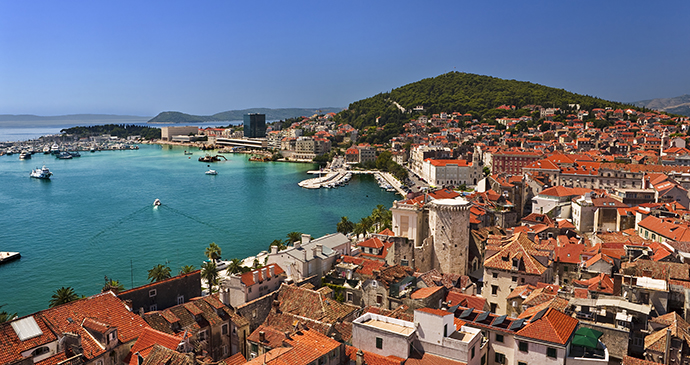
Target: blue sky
x,y
144,57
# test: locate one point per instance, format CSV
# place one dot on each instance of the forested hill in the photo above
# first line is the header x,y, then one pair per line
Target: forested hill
x,y
231,115
462,92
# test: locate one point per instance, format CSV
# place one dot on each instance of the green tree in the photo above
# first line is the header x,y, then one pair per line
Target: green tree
x,y
345,226
186,269
279,243
486,170
209,272
114,285
62,296
158,273
5,316
212,251
293,237
256,264
235,266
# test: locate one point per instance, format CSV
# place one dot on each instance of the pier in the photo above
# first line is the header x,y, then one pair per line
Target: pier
x,y
334,178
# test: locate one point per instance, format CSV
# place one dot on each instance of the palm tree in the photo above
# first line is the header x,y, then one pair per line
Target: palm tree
x,y
281,245
113,285
209,272
345,226
235,266
158,273
256,264
212,251
293,237
6,317
62,296
186,269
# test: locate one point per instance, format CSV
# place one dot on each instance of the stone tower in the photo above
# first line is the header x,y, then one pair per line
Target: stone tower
x,y
447,247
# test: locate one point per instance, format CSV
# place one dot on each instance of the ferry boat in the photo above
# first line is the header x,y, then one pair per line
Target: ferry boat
x,y
43,173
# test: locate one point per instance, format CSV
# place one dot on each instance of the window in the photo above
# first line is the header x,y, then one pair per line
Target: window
x,y
180,299
350,297
494,275
499,338
493,307
551,352
522,363
255,348
249,290
565,268
379,342
404,263
202,335
152,293
494,289
523,346
514,279
40,351
153,307
472,354
500,358
224,329
483,360
379,299
445,330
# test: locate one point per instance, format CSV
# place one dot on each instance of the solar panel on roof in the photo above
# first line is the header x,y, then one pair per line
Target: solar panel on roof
x,y
538,315
466,313
516,325
482,316
453,308
499,320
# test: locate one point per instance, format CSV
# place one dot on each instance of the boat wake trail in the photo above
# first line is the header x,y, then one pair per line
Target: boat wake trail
x,y
95,238
119,222
194,219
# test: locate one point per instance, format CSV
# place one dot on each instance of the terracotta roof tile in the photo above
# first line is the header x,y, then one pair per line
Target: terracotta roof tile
x,y
553,326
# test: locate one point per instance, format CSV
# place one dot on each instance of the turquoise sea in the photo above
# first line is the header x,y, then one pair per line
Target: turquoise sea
x,y
95,218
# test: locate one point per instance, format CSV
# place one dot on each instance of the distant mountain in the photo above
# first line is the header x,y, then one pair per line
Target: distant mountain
x,y
678,105
28,120
235,115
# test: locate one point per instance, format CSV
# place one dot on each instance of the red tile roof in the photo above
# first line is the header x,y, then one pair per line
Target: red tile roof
x,y
553,326
248,277
145,342
422,293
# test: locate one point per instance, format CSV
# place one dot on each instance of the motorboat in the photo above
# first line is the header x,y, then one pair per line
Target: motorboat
x,y
42,173
74,153
211,172
157,203
54,149
25,155
64,155
188,153
46,150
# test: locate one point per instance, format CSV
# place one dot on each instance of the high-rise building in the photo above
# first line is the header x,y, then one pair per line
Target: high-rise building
x,y
255,125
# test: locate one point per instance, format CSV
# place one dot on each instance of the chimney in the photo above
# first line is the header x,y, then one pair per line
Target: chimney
x,y
297,244
319,248
313,251
274,250
360,358
272,270
306,238
262,336
264,274
256,276
287,335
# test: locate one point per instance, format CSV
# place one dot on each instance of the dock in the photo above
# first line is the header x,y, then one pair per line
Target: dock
x,y
8,256
334,178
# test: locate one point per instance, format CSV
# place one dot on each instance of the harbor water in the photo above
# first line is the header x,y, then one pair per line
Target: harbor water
x,y
94,217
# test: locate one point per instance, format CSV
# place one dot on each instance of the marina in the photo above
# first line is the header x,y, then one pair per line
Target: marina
x,y
94,216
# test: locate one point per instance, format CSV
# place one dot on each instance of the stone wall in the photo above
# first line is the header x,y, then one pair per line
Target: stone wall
x,y
257,310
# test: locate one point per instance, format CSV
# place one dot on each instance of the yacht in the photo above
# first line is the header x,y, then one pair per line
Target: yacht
x,y
24,155
46,150
54,149
42,173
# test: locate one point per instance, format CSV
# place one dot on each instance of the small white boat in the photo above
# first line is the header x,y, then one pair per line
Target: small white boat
x,y
43,173
157,203
211,172
25,155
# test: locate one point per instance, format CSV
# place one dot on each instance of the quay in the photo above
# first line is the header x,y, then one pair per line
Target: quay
x,y
8,256
339,177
